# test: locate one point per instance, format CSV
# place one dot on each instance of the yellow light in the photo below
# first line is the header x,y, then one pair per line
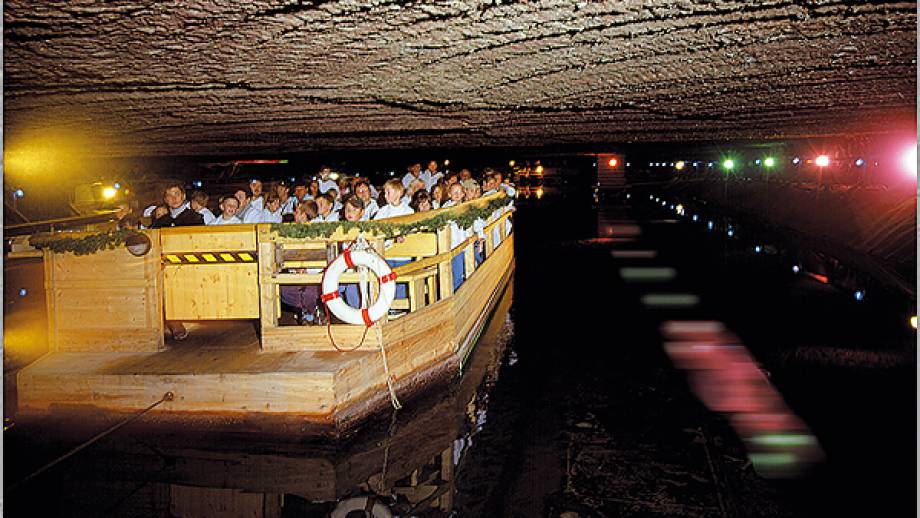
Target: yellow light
x,y
109,193
613,162
447,162
539,192
679,165
822,161
680,209
538,169
333,176
913,321
511,163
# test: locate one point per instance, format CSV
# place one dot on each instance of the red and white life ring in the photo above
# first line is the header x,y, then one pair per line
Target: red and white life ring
x,y
349,260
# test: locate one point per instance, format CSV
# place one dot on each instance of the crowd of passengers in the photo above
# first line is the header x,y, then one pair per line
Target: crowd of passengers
x,y
322,199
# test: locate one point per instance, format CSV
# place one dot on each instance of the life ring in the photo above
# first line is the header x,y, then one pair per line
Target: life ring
x,y
361,503
348,260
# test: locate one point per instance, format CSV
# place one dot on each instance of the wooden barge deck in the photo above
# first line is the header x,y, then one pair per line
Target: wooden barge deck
x,y
106,334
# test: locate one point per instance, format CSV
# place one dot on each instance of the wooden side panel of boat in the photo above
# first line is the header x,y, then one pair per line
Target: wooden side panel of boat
x,y
108,301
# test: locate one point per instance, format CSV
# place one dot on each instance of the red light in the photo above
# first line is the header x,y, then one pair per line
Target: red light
x,y
613,162
822,161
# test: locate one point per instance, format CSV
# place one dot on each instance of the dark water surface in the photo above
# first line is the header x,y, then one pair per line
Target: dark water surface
x,y
570,403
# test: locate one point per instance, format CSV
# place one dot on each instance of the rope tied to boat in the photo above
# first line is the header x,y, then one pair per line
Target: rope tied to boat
x,y
169,396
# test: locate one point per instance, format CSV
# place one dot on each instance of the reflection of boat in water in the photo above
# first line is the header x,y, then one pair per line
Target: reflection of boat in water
x,y
408,461
106,313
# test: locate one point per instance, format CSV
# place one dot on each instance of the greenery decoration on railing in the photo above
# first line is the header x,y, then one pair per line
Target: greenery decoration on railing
x,y
84,245
463,217
386,228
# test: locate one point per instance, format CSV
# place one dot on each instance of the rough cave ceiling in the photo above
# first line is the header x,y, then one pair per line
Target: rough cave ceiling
x,y
188,77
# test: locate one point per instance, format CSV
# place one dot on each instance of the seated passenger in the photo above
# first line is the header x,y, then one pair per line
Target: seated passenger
x,y
306,211
471,192
229,206
363,190
288,202
300,192
178,212
325,209
199,204
272,211
393,191
421,201
455,191
438,194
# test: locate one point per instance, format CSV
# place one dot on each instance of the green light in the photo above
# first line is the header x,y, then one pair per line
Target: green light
x,y
769,161
728,164
784,440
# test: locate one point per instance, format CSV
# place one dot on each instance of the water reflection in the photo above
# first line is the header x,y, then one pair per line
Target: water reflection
x,y
402,463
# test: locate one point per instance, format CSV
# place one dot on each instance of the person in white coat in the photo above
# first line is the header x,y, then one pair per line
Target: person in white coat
x,y
229,206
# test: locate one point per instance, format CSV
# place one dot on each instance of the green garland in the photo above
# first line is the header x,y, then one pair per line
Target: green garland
x,y
82,245
388,229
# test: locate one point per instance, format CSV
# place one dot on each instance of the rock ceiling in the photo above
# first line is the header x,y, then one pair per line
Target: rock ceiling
x,y
189,77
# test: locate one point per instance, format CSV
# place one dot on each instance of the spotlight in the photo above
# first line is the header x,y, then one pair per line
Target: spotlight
x,y
710,164
679,165
795,268
757,162
198,183
728,164
730,232
695,217
909,161
913,321
538,169
116,185
769,161
650,164
293,179
860,162
859,295
447,163
663,203
671,206
18,193
758,249
796,160
23,292
613,162
710,225
822,161
679,209
628,164
511,163
109,193
627,196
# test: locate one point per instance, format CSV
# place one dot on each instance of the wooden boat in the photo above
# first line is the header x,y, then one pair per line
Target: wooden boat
x,y
413,453
106,312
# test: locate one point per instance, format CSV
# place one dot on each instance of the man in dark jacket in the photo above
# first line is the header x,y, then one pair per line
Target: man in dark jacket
x,y
179,213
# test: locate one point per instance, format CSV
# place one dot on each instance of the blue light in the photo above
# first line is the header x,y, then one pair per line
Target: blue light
x,y
795,268
293,179
19,193
860,162
23,292
710,225
859,295
731,232
758,249
757,162
695,217
710,164
116,185
671,206
197,183
796,160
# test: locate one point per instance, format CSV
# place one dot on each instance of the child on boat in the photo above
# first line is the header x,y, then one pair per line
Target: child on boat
x,y
229,206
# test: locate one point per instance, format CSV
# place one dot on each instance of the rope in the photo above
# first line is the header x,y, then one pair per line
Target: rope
x,y
386,368
359,244
166,397
381,486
